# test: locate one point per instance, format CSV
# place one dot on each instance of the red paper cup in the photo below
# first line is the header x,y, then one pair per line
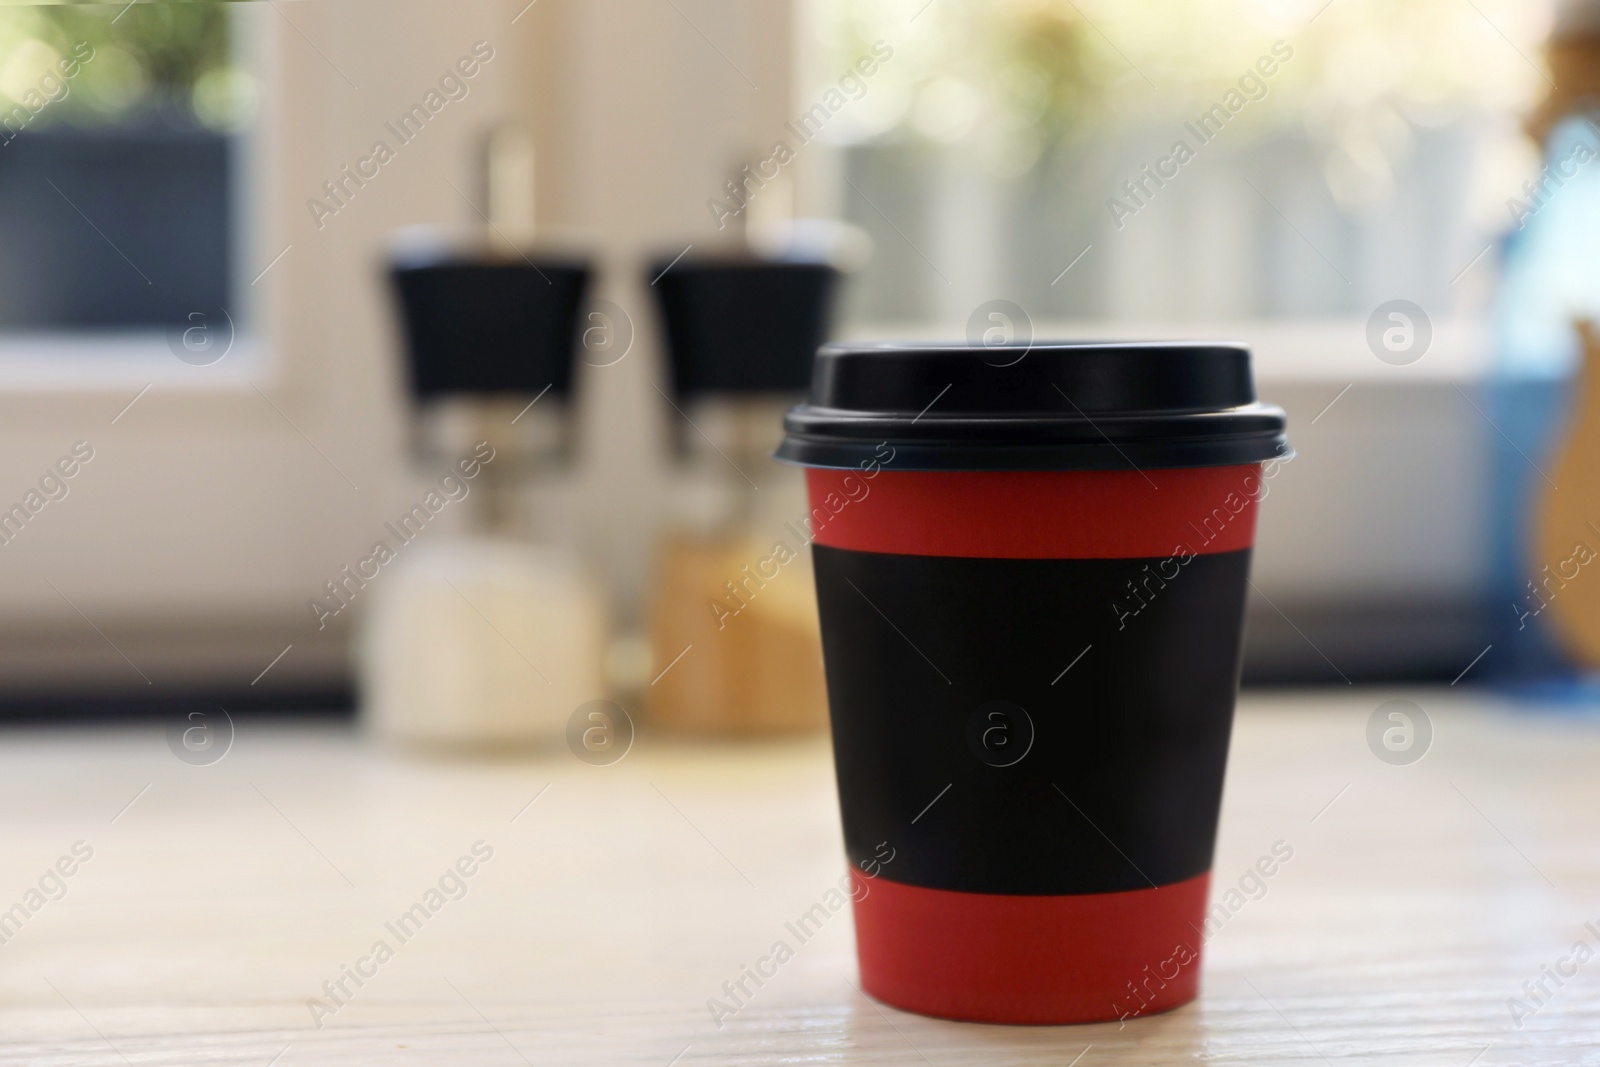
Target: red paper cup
x,y
1032,596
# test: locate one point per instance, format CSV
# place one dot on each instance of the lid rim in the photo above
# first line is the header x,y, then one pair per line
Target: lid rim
x,y
1167,454
808,419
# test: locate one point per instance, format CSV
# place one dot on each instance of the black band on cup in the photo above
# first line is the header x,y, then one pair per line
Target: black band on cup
x,y
1031,726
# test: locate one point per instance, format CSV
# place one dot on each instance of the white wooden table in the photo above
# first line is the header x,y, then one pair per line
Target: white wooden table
x,y
1418,901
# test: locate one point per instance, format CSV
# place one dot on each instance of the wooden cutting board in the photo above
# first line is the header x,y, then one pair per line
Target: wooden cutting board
x,y
1564,572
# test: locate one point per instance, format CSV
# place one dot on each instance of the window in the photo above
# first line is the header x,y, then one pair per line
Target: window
x,y
1335,155
117,141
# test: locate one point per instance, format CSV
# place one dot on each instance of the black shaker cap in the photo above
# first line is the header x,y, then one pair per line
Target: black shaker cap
x,y
482,326
1047,406
742,325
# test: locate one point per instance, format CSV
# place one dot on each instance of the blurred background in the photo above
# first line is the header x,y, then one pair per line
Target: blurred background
x,y
269,333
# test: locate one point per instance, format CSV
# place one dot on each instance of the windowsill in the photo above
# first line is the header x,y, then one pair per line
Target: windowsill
x,y
85,362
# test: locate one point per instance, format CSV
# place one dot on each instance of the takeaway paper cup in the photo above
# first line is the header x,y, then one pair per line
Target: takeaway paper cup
x,y
1031,580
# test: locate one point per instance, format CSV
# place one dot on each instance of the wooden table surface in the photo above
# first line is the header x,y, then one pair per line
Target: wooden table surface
x,y
218,902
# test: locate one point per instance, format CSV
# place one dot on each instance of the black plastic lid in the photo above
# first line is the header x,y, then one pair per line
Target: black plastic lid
x,y
1049,406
